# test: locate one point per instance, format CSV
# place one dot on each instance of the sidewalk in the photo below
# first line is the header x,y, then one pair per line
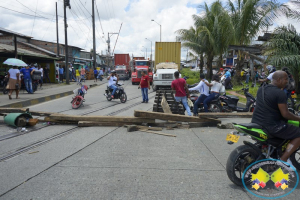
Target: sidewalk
x,y
48,92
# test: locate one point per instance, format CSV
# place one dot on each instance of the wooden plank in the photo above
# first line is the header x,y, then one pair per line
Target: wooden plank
x,y
165,106
158,133
117,124
227,115
101,118
173,117
203,124
47,119
13,110
38,113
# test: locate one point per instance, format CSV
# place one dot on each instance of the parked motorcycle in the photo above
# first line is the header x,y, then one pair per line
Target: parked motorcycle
x,y
3,82
229,102
78,100
264,147
119,94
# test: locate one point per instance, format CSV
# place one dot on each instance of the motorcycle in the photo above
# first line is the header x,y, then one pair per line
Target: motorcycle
x,y
264,147
119,94
229,102
3,82
78,100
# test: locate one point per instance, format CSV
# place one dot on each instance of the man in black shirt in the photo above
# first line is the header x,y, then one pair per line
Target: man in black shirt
x,y
271,112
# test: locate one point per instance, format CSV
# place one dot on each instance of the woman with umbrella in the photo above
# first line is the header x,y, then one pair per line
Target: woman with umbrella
x,y
13,81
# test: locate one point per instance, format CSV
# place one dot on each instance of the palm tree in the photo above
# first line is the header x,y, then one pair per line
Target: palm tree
x,y
249,17
283,50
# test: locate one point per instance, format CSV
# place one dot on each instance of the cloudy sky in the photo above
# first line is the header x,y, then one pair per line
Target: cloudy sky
x,y
36,18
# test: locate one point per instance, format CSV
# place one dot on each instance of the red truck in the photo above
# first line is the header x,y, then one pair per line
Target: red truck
x,y
122,59
138,67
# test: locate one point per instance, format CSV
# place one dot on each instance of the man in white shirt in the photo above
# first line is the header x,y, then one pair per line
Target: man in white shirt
x,y
112,81
203,89
42,75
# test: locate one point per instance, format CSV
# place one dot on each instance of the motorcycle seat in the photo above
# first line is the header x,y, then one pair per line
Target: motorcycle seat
x,y
251,125
232,96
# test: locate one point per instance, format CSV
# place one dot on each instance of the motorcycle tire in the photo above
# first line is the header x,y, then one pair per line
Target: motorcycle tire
x,y
295,158
5,91
123,98
108,97
214,108
298,110
290,102
235,161
77,102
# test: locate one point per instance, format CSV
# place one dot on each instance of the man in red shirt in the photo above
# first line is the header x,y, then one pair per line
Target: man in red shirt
x,y
144,85
182,91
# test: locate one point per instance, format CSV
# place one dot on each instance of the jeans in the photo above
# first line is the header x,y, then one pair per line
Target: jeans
x,y
61,77
114,87
247,78
185,104
228,83
200,100
208,99
145,94
28,85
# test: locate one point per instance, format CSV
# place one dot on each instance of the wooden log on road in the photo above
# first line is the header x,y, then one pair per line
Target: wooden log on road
x,y
226,115
117,124
13,110
101,118
172,117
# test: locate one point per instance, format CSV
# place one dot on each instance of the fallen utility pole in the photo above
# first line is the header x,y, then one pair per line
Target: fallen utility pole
x,y
226,115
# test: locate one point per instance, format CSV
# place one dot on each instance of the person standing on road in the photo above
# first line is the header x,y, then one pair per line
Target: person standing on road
x,y
61,74
214,91
112,81
144,85
95,74
77,75
13,81
27,72
46,73
42,75
100,75
182,92
204,93
228,79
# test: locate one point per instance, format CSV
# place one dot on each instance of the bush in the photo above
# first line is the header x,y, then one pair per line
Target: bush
x,y
193,77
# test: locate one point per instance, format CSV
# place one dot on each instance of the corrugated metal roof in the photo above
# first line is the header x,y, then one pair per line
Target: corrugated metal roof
x,y
3,30
38,48
10,49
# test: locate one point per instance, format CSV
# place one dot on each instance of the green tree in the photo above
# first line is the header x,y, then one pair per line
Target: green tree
x,y
249,17
283,50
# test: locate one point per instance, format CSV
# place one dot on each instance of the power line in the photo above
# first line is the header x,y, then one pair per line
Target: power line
x,y
34,17
25,13
99,18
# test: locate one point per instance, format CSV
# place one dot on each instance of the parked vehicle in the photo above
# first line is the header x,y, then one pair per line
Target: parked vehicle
x,y
139,66
122,60
264,147
229,102
3,83
119,94
164,75
122,72
78,100
291,101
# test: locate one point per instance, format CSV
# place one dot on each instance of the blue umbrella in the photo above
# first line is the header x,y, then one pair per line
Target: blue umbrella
x,y
15,62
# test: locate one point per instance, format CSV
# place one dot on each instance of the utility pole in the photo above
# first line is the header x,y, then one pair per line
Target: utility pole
x,y
108,46
94,35
57,31
66,3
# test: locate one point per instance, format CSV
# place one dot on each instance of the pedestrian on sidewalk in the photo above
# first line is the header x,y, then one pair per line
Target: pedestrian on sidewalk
x,y
77,76
70,73
46,73
73,73
82,73
61,74
27,72
42,75
100,75
204,93
13,81
182,91
95,74
144,85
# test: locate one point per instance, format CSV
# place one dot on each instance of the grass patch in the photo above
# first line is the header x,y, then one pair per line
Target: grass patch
x,y
193,77
252,90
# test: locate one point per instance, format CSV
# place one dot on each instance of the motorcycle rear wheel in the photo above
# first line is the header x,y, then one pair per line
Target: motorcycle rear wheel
x,y
214,108
239,159
123,98
295,158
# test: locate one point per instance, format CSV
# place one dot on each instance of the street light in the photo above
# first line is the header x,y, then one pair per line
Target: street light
x,y
146,51
151,48
159,27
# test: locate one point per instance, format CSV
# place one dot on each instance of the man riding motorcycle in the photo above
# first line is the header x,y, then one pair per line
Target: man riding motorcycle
x,y
112,81
271,112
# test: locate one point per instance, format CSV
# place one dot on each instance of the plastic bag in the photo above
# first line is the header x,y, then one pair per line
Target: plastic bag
x,y
190,103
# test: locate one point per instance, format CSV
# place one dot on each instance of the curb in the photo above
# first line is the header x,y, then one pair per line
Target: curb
x,y
32,102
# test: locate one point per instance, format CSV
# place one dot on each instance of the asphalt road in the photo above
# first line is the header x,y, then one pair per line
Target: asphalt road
x,y
110,163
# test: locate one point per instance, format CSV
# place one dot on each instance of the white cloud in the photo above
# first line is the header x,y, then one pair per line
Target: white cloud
x,y
135,15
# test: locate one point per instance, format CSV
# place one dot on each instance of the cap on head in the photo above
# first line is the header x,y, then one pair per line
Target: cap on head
x,y
221,69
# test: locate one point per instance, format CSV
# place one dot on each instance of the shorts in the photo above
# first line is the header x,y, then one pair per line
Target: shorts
x,y
95,75
289,133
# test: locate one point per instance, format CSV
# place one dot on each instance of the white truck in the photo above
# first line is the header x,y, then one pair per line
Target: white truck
x,y
164,75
